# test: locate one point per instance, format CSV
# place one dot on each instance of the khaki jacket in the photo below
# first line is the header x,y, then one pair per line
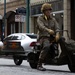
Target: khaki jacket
x,y
43,22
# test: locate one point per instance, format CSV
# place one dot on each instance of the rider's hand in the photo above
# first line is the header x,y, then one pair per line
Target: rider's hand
x,y
50,31
57,37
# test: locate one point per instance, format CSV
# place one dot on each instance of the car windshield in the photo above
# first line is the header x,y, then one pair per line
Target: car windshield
x,y
32,36
15,37
20,37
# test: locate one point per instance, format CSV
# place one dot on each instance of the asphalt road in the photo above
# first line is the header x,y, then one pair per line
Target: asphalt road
x,y
7,67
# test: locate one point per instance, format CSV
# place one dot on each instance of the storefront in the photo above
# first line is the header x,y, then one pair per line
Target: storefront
x,y
15,21
10,25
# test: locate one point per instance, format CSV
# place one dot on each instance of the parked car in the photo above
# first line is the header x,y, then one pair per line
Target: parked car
x,y
18,45
1,45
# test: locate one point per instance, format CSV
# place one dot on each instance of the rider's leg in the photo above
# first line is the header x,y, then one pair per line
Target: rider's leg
x,y
44,51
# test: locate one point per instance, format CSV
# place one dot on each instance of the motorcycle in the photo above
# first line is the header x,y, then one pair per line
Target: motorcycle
x,y
65,55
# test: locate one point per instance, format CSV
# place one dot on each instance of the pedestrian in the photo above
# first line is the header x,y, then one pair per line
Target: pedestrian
x,y
47,25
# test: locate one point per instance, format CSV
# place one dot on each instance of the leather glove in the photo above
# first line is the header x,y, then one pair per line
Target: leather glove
x,y
57,37
50,31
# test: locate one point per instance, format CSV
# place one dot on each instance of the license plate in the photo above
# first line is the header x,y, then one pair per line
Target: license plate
x,y
14,45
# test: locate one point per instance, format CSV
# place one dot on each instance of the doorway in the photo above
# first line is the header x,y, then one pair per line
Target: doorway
x,y
72,19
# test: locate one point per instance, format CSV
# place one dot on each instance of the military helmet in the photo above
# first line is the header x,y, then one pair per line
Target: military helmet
x,y
46,6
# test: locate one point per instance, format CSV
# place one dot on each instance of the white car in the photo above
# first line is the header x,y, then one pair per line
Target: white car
x,y
1,45
19,45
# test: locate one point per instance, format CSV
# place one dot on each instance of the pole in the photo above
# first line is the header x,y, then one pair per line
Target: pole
x,y
4,21
27,14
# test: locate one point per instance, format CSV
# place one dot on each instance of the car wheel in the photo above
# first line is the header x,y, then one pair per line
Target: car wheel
x,y
18,61
33,65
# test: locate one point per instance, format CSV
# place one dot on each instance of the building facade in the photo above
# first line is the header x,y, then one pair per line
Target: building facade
x,y
12,26
63,11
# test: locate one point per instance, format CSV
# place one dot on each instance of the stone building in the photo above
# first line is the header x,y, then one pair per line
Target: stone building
x,y
63,11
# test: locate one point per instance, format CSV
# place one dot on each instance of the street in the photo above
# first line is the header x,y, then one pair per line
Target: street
x,y
7,67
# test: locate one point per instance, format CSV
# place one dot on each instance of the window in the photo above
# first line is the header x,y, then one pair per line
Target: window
x,y
23,37
32,36
36,9
21,27
60,5
12,28
57,5
32,10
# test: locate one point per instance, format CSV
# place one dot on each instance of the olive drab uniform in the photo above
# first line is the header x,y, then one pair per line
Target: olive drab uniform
x,y
42,23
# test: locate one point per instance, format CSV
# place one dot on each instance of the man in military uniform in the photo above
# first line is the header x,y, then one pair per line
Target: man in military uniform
x,y
47,25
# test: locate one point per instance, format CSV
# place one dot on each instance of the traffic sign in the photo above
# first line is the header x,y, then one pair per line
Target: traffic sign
x,y
19,18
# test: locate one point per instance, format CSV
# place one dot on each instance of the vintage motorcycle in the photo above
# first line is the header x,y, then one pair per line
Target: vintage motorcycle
x,y
54,56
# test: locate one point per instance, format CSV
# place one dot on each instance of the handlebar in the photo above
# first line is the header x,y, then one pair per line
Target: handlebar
x,y
63,31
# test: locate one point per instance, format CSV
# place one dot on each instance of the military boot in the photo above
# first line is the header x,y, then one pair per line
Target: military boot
x,y
39,66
